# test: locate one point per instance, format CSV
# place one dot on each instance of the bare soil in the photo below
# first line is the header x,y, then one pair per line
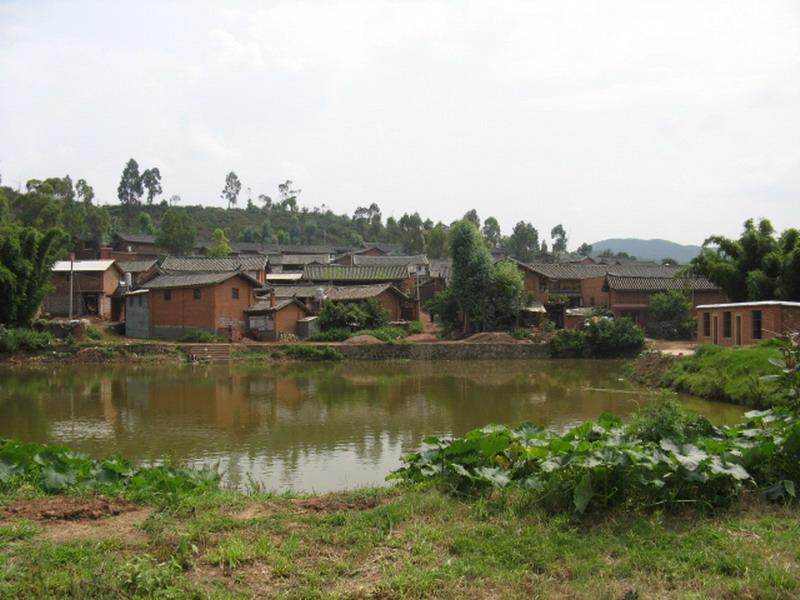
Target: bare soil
x,y
331,503
362,340
492,337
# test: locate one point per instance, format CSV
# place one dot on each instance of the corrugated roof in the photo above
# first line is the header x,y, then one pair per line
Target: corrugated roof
x,y
756,303
181,280
354,273
209,264
136,266
389,260
655,284
61,266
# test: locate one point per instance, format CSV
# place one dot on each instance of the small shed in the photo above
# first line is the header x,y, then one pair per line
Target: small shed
x,y
746,323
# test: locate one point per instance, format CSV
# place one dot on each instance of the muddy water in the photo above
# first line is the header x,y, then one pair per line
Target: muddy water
x,y
305,427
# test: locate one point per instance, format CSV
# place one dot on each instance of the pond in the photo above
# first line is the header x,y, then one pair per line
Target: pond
x,y
305,427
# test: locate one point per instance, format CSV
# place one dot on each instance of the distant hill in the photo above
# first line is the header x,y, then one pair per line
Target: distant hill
x,y
648,249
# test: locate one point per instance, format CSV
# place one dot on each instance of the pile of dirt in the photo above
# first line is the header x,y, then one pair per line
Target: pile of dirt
x,y
362,340
64,508
491,337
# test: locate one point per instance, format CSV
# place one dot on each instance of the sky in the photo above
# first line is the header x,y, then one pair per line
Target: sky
x,y
666,119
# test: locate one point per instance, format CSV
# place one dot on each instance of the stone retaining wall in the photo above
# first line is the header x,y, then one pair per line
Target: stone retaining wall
x,y
434,351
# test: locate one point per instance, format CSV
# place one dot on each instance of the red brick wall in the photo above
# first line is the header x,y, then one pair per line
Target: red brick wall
x,y
592,289
392,304
182,310
775,320
227,310
286,318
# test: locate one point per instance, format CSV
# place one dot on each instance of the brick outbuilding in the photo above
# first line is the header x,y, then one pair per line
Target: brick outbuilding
x,y
93,285
746,323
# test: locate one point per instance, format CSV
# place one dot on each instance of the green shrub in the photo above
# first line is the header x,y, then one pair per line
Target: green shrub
x,y
416,327
314,353
331,335
93,333
569,343
199,336
520,333
364,314
14,340
385,334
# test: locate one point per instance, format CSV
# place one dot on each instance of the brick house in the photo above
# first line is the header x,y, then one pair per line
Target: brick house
x,y
581,285
629,296
398,305
93,285
253,264
272,318
171,305
746,323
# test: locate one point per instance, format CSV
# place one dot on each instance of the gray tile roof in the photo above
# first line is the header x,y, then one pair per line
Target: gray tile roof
x,y
299,259
354,273
642,270
181,280
299,291
136,266
263,305
655,284
566,270
359,292
137,238
207,264
390,260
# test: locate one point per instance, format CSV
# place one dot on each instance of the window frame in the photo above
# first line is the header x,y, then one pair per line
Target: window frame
x,y
727,324
757,334
706,324
197,293
235,293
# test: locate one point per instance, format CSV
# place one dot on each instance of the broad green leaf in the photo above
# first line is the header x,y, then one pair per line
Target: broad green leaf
x,y
583,493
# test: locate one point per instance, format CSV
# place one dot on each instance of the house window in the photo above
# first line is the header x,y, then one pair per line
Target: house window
x,y
235,293
167,295
727,329
196,293
706,324
756,318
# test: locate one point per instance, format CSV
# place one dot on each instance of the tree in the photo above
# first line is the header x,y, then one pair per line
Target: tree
x,y
758,266
130,190
491,232
585,249
144,223
230,192
508,286
265,233
670,315
84,191
151,180
265,200
288,196
177,234
523,243
471,275
98,223
26,257
472,217
669,262
221,245
438,241
559,237
174,200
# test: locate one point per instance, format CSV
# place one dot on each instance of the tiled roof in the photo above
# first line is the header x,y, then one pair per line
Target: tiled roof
x,y
440,267
136,266
359,292
264,305
354,273
390,260
299,291
566,270
299,259
655,284
642,270
388,247
208,264
255,247
182,280
137,238
78,266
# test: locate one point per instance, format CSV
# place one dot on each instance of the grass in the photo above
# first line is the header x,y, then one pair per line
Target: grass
x,y
726,374
413,543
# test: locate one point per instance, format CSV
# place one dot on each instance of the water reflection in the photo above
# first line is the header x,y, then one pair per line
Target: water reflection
x,y
304,427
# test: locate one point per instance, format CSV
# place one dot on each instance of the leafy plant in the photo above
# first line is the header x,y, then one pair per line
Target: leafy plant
x,y
93,333
13,340
600,338
200,336
331,335
363,314
313,353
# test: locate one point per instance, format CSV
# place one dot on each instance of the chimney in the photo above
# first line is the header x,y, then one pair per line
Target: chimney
x,y
128,280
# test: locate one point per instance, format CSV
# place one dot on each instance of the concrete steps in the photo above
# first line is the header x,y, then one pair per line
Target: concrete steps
x,y
209,352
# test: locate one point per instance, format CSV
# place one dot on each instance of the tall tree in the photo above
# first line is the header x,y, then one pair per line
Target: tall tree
x,y
26,257
471,275
559,237
523,243
98,223
491,232
758,266
221,245
151,180
585,249
472,217
288,195
233,186
438,242
130,189
84,191
413,236
144,223
177,234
